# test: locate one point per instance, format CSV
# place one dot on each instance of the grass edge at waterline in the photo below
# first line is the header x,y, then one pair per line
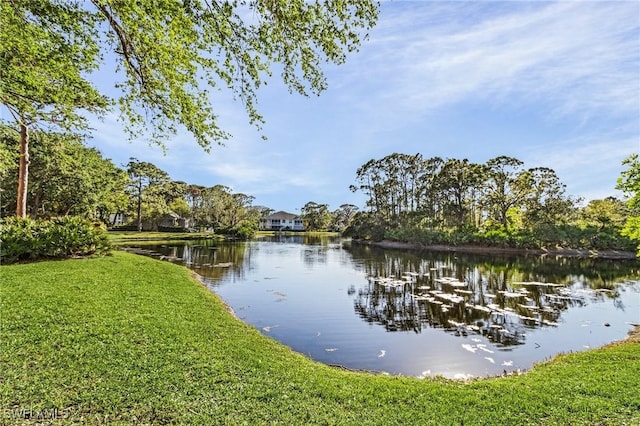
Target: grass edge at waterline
x,y
127,339
120,237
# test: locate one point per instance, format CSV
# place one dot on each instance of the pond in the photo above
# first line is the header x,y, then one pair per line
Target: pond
x,y
416,313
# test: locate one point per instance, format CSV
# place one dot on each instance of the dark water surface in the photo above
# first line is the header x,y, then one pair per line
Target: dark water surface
x,y
417,313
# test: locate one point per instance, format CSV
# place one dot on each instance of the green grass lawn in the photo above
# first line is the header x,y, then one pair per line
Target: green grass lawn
x,y
151,236
130,340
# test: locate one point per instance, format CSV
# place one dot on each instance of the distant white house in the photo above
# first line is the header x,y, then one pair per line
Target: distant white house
x,y
118,219
282,221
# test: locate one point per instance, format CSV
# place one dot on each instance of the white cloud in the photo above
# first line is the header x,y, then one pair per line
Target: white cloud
x,y
575,57
588,165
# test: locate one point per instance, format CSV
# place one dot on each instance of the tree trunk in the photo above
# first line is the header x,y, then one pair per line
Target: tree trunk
x,y
36,204
23,172
115,217
139,206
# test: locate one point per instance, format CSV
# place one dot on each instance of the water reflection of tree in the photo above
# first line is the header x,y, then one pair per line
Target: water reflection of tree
x,y
308,239
227,259
396,311
210,259
314,254
498,296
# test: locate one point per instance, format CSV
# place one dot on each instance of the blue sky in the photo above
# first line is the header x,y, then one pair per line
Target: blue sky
x,y
554,84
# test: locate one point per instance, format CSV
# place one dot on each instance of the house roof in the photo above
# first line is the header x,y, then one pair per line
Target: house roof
x,y
282,215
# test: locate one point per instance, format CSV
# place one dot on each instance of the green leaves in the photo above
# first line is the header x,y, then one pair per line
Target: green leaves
x,y
46,50
147,188
65,177
629,183
316,217
172,53
218,207
27,239
451,199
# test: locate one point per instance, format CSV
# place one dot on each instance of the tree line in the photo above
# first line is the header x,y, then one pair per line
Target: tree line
x,y
69,179
409,198
438,200
168,56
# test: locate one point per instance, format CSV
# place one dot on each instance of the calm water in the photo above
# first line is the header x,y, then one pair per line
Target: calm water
x,y
417,313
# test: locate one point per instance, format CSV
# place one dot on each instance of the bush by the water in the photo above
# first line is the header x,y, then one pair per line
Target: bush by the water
x,y
412,230
28,239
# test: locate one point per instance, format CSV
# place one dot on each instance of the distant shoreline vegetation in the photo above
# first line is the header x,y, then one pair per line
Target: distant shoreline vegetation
x,y
456,205
562,240
424,202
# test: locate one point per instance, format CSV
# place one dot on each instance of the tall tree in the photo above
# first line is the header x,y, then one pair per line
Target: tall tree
x,y
341,217
226,211
545,203
458,182
391,183
145,179
217,201
507,186
316,217
46,49
241,209
429,197
608,212
629,184
369,179
170,53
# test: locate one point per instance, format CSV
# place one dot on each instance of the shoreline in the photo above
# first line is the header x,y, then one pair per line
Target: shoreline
x,y
148,344
476,249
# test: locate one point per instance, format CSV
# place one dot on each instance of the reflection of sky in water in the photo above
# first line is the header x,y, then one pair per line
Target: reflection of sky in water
x,y
322,301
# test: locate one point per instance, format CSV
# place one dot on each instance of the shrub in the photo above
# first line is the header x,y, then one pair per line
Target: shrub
x,y
28,239
367,227
17,239
588,237
246,230
496,237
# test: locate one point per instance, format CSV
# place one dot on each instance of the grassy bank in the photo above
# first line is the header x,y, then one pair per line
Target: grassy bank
x,y
127,339
134,236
